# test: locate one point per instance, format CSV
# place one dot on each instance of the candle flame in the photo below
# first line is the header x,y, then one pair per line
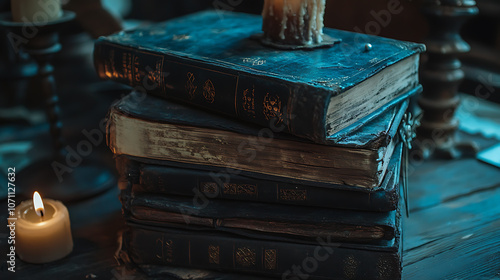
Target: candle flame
x,y
38,204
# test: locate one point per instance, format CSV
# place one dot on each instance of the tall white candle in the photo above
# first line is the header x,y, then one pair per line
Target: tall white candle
x,y
293,22
44,236
37,11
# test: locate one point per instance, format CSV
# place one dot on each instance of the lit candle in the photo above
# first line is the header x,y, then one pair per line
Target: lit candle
x,y
37,11
43,232
293,22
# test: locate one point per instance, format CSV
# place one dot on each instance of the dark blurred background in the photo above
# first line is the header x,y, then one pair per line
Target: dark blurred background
x,y
102,17
85,99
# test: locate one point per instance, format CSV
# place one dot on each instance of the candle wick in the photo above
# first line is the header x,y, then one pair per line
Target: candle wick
x,y
40,213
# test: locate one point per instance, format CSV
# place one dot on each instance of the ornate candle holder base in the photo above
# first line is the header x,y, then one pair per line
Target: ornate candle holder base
x,y
451,149
326,43
41,42
68,185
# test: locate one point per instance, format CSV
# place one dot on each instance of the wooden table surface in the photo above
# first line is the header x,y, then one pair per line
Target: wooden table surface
x,y
453,231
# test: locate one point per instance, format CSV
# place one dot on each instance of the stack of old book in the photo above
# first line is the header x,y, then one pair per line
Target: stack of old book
x,y
275,163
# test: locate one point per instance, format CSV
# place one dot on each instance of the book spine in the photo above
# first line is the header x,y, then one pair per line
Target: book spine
x,y
354,225
212,185
326,260
257,99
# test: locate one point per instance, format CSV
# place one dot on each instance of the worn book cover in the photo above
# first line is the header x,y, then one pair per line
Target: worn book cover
x,y
212,61
165,251
258,220
159,131
143,178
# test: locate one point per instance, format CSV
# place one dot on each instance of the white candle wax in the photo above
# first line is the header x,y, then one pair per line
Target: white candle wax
x,y
296,22
43,239
37,11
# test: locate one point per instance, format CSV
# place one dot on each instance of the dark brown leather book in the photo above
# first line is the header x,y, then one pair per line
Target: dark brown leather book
x,y
258,220
201,184
158,131
158,248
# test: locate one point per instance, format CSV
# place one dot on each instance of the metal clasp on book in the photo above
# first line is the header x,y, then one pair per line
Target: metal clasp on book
x,y
407,132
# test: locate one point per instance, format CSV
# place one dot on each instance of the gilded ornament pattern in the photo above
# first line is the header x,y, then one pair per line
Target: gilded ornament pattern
x,y
209,187
209,91
246,257
293,195
190,86
249,102
213,254
350,267
384,268
273,108
270,259
240,189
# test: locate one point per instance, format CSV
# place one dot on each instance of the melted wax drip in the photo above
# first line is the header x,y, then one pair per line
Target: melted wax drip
x,y
303,17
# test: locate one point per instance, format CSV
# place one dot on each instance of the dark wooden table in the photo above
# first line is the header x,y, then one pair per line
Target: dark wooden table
x,y
453,231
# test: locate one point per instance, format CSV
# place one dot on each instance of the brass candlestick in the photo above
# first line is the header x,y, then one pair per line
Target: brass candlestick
x,y
41,42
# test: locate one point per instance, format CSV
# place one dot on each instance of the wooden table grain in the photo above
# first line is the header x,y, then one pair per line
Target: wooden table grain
x,y
453,231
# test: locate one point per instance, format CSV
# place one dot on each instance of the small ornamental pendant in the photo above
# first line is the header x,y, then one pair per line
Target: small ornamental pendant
x,y
407,132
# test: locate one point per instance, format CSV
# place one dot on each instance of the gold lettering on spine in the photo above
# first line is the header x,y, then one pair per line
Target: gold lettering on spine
x,y
210,188
209,91
159,248
249,102
127,59
292,195
235,189
213,254
190,86
246,257
270,259
168,251
350,267
155,75
273,108
136,69
110,67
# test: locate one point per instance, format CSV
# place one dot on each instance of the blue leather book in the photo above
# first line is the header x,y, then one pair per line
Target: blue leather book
x,y
212,61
